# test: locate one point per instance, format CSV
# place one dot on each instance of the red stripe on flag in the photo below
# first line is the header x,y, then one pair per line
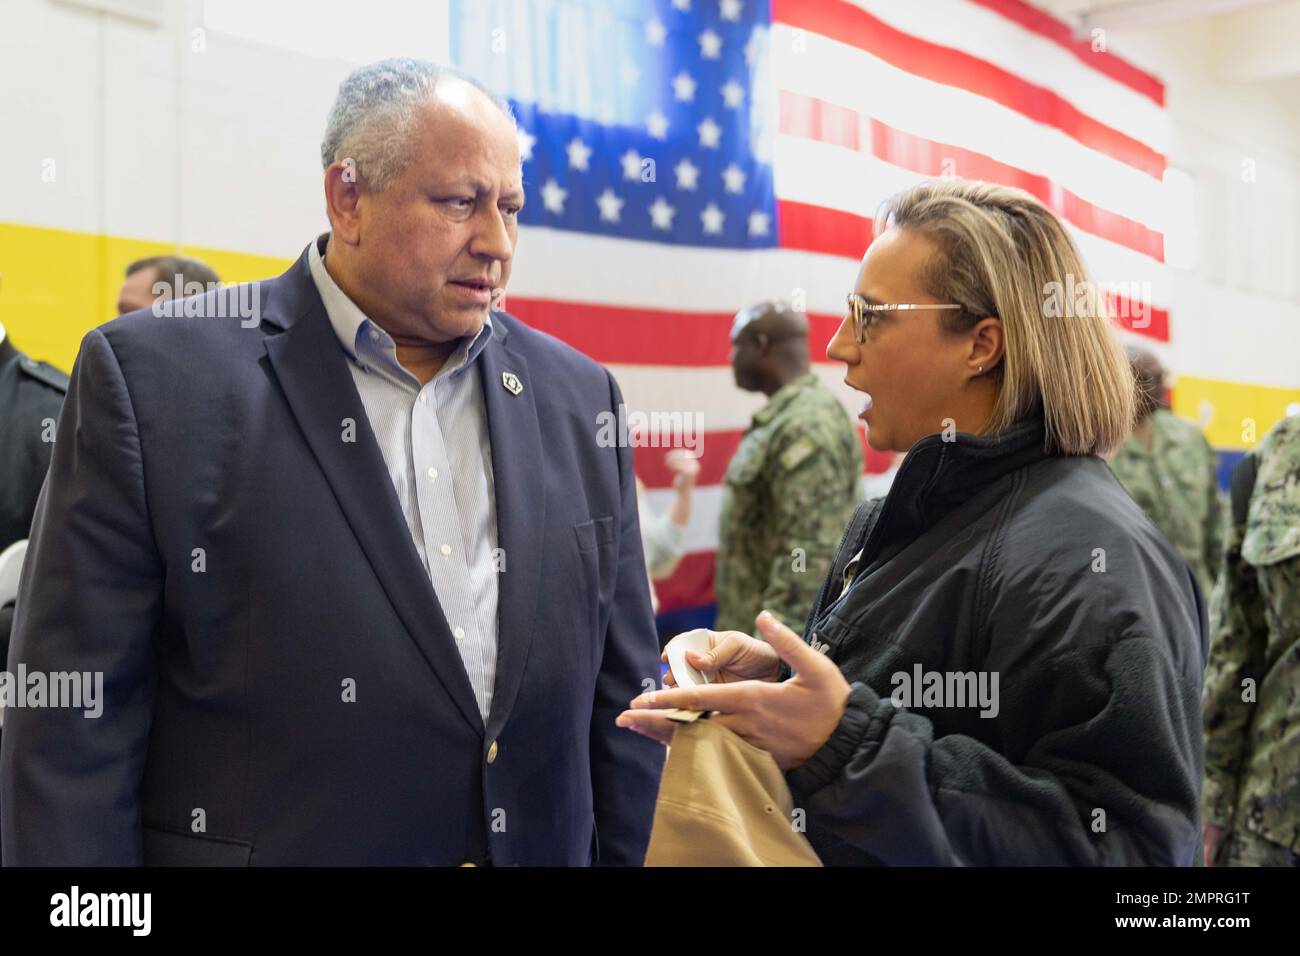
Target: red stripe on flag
x,y
956,68
815,119
1059,32
620,336
716,449
1139,317
691,584
617,335
818,229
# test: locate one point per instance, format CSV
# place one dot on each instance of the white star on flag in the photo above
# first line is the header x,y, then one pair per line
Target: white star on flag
x,y
734,177
712,218
610,205
684,87
710,45
710,133
758,223
631,161
526,142
729,10
657,124
682,5
687,174
553,197
733,94
579,153
662,214
655,32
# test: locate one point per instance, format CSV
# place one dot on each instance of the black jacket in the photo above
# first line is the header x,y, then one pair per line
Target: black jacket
x,y
31,394
990,556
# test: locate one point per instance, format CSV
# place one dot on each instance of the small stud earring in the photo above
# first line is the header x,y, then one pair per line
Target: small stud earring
x,y
981,368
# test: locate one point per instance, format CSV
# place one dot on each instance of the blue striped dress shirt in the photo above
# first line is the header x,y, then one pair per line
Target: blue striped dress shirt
x,y
438,452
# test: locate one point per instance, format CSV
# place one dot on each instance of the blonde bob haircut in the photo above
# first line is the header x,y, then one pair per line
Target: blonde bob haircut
x,y
1002,253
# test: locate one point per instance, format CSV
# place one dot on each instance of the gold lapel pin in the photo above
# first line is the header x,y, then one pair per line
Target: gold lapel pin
x,y
511,381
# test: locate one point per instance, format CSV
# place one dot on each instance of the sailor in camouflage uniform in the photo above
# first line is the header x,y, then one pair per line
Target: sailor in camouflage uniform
x,y
1169,469
793,483
1251,703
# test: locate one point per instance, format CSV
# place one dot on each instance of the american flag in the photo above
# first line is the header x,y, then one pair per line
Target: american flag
x,y
686,158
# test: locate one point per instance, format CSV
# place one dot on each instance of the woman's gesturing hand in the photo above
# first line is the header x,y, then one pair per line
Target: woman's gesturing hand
x,y
790,720
732,657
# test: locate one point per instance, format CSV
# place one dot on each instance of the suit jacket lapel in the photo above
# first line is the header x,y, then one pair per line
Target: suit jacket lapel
x,y
313,373
520,491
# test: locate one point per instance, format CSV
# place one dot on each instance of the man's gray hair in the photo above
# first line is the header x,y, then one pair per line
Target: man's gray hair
x,y
371,118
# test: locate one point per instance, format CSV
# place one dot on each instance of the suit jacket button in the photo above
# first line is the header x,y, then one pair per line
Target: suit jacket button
x,y
492,752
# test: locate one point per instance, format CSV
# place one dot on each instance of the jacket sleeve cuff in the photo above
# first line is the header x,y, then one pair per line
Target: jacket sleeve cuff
x,y
827,763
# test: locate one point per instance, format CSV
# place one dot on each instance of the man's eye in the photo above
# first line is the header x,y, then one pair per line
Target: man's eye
x,y
511,211
460,203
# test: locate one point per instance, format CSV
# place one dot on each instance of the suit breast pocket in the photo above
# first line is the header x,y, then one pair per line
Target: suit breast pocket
x,y
594,533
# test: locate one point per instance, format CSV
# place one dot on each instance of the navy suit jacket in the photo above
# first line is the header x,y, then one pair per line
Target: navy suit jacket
x,y
226,736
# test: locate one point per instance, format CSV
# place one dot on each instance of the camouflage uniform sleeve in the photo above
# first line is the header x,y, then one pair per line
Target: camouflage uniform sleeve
x,y
1238,633
807,482
1214,514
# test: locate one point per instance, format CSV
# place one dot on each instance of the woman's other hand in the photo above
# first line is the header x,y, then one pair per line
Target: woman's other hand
x,y
791,720
732,657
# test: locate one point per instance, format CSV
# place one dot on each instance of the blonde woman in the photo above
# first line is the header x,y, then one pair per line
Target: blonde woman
x,y
1004,665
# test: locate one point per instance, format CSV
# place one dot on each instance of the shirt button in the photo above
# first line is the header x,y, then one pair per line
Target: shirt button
x,y
459,633
433,472
374,335
445,549
492,753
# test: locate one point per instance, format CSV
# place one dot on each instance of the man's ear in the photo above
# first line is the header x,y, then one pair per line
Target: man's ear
x,y
342,201
986,345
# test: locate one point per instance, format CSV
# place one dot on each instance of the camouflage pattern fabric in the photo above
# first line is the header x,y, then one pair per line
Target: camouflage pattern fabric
x,y
1251,700
1174,482
787,497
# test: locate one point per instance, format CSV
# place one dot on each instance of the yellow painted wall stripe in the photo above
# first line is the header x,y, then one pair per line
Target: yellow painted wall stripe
x,y
1234,416
57,285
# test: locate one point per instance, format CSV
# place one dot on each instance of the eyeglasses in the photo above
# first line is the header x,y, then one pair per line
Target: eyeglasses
x,y
863,310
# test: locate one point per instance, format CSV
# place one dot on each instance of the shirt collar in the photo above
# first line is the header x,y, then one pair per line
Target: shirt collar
x,y
362,339
783,396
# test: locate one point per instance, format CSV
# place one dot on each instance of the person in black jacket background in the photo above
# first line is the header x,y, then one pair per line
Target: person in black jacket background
x,y
1005,662
31,396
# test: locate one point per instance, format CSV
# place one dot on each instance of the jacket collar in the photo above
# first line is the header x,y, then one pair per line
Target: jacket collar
x,y
312,370
939,475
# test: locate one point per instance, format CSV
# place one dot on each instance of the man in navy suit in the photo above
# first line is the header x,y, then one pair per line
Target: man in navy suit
x,y
363,583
